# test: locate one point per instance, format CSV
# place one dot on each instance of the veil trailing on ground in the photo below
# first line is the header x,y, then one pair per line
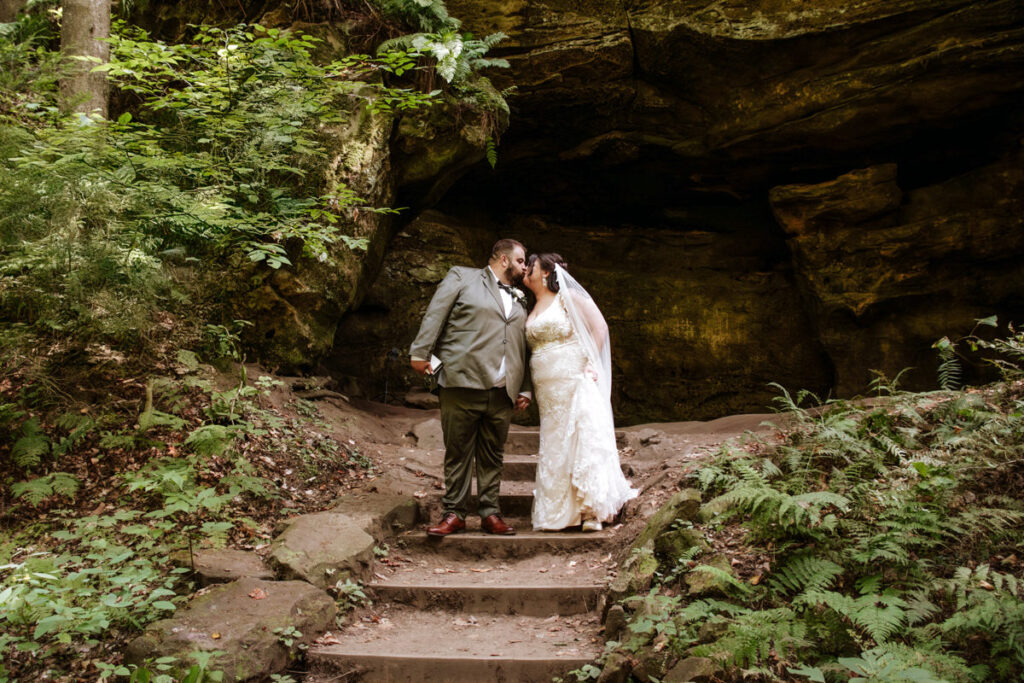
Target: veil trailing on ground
x,y
590,328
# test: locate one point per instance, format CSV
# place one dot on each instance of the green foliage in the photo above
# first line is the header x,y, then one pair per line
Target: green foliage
x,y
349,596
878,523
37,490
109,572
220,159
31,446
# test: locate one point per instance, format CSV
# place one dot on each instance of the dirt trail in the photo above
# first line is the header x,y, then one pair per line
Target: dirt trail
x,y
475,607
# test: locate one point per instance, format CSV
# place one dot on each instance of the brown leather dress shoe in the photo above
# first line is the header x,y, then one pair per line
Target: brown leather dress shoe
x,y
451,524
493,524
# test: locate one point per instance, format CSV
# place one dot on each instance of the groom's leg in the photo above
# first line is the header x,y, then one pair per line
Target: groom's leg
x,y
490,450
461,410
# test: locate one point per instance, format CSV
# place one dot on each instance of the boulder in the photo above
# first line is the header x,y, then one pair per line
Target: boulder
x,y
614,622
239,620
674,543
225,565
704,584
692,670
616,668
683,506
636,574
379,514
323,549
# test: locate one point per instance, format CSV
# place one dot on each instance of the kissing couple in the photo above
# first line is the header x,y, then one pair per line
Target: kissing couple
x,y
491,351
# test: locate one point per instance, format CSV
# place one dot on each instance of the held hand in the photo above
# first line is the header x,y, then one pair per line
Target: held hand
x,y
421,366
522,403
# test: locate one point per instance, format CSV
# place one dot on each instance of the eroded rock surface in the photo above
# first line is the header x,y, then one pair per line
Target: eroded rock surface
x,y
239,619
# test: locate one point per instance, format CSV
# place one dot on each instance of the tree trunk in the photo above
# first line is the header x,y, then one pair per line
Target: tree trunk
x,y
84,25
9,10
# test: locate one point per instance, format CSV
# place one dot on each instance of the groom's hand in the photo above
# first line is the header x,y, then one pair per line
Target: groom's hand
x,y
421,366
522,402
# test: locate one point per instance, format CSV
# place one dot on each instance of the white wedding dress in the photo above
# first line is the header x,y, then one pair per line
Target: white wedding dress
x,y
578,467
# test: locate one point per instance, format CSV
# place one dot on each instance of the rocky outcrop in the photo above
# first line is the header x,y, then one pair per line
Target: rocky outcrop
x,y
888,271
645,142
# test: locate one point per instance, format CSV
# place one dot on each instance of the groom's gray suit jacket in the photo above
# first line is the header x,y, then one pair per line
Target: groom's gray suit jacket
x,y
465,326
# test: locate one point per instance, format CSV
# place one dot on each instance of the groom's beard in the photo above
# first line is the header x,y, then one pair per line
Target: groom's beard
x,y
513,276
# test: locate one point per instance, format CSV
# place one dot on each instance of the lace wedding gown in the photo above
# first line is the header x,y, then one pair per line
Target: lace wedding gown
x,y
578,465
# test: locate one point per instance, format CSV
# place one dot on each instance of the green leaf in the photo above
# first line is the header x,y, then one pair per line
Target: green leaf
x,y
164,604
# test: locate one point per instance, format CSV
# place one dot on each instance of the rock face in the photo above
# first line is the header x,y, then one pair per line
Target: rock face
x,y
886,271
754,191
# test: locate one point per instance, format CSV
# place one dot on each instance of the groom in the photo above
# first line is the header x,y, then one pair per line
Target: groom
x,y
476,325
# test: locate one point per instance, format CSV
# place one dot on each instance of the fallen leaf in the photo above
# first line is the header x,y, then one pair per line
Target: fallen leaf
x,y
986,585
258,594
755,579
480,570
215,635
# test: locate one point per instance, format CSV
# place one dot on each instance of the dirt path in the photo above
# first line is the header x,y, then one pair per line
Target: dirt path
x,y
475,607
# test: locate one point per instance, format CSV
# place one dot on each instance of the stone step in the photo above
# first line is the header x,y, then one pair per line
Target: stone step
x,y
526,441
537,586
408,645
528,600
519,468
524,468
526,542
522,441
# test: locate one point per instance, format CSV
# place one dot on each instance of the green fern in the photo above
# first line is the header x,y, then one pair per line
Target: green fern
x,y
880,615
211,440
492,151
78,427
35,491
950,370
33,444
757,637
804,571
882,664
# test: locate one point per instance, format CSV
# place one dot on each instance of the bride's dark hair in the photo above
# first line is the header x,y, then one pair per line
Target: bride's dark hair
x,y
547,264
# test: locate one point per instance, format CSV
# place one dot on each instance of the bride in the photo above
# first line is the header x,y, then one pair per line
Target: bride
x,y
579,478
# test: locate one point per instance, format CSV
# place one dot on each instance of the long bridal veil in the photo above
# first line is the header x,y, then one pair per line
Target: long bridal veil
x,y
590,425
590,327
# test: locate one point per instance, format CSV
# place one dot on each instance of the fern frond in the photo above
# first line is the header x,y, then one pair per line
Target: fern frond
x,y
211,439
804,572
39,489
28,450
880,615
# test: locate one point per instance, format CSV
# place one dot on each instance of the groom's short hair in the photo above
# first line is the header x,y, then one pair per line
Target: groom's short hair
x,y
505,246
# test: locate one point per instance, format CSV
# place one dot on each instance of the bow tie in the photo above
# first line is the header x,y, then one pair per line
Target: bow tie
x,y
502,285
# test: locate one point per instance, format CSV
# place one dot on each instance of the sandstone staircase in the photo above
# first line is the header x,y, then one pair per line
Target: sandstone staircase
x,y
476,607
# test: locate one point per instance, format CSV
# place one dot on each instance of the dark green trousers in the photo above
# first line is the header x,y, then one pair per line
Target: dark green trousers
x,y
475,424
